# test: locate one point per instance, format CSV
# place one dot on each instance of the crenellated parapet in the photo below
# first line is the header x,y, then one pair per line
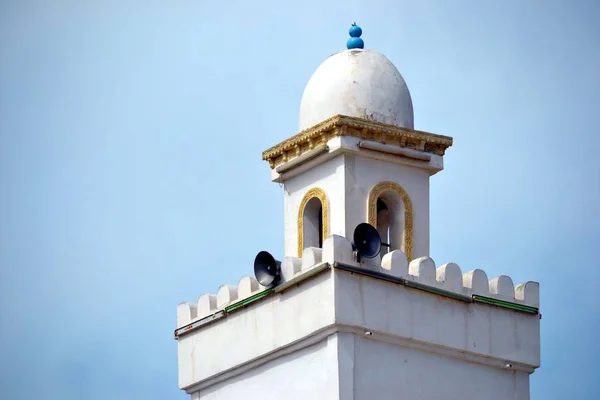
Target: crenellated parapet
x,y
227,295
337,252
417,305
449,278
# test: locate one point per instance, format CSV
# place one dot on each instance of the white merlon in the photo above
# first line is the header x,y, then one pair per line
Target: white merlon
x,y
502,286
207,303
290,266
395,263
337,248
226,295
477,282
528,293
311,256
186,313
248,285
450,276
423,268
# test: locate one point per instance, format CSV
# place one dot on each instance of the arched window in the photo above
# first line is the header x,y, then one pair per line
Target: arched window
x,y
313,220
313,223
383,223
390,211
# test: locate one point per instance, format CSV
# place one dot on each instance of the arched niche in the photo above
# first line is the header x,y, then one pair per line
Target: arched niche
x,y
313,220
390,211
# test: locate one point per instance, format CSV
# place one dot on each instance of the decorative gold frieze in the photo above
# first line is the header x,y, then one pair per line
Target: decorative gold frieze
x,y
341,125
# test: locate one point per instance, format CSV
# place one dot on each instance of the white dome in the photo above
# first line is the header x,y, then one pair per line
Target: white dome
x,y
357,83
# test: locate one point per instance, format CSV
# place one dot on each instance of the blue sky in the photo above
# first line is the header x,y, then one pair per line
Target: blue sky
x,y
130,144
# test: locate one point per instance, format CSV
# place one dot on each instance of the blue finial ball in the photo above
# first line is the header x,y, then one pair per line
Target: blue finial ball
x,y
355,43
355,31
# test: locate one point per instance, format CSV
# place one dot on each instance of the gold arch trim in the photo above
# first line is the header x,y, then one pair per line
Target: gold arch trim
x,y
311,194
377,191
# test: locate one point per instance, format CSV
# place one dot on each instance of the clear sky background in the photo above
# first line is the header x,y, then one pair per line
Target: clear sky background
x,y
131,176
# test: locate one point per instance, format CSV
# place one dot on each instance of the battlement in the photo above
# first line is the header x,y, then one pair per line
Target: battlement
x,y
445,280
415,305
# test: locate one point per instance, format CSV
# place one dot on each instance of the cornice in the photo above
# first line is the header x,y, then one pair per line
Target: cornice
x,y
341,125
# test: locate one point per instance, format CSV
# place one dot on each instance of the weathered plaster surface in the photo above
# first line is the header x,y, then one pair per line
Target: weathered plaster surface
x,y
347,180
357,83
278,379
268,326
330,330
392,370
328,176
357,329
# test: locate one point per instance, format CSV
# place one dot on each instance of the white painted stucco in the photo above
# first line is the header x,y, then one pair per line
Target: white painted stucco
x,y
341,335
357,83
328,176
337,328
420,375
245,336
350,366
347,179
364,173
275,380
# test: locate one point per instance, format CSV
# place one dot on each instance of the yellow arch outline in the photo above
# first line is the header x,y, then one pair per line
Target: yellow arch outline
x,y
322,196
374,194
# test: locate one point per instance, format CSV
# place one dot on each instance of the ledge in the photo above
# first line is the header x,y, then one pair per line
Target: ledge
x,y
323,266
341,125
203,321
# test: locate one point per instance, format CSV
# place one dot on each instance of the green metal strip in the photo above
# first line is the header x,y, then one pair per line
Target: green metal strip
x,y
363,271
248,300
438,291
402,281
315,270
505,304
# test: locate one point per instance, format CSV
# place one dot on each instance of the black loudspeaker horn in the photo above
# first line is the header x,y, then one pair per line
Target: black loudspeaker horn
x,y
267,269
367,241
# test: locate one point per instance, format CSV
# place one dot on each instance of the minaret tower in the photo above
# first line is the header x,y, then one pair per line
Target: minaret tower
x,y
341,317
357,157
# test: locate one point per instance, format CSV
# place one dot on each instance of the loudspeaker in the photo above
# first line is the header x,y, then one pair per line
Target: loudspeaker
x,y
267,269
367,241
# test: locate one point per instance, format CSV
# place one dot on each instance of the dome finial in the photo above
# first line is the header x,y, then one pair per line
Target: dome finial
x,y
355,42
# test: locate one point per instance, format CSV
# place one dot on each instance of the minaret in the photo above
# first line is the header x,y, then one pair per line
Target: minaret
x,y
342,316
357,157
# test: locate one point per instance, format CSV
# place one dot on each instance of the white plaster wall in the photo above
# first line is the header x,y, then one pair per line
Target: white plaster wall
x,y
403,314
256,331
420,345
310,373
361,174
328,176
387,372
347,181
